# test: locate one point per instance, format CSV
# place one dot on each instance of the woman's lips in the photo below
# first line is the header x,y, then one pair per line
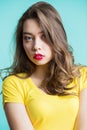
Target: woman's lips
x,y
38,56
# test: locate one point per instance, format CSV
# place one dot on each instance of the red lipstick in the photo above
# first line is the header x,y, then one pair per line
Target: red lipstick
x,y
38,56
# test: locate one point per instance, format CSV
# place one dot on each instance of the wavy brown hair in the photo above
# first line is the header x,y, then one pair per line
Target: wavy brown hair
x,y
62,67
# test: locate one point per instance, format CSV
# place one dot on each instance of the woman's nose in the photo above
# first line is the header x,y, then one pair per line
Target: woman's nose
x,y
37,44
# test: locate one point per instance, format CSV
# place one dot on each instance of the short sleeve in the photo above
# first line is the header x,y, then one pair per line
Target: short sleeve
x,y
83,78
12,90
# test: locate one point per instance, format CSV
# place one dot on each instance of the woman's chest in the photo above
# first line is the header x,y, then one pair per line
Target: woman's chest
x,y
40,105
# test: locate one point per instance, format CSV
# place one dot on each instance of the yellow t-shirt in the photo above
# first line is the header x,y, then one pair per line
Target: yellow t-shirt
x,y
46,112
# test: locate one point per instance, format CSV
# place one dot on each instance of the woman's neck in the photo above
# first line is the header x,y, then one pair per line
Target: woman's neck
x,y
39,75
40,71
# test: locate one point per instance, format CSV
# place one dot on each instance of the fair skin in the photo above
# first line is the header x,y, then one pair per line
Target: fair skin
x,y
81,123
17,117
34,42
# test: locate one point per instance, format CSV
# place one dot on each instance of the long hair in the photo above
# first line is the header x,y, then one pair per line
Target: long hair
x,y
62,67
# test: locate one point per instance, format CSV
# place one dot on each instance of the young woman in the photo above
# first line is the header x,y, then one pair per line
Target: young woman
x,y
45,90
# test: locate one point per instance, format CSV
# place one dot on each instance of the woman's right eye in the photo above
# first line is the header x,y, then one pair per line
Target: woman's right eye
x,y
28,38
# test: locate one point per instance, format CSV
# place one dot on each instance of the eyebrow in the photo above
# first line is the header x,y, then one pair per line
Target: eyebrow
x,y
28,33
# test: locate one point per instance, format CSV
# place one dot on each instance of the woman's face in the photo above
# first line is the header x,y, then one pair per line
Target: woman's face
x,y
35,43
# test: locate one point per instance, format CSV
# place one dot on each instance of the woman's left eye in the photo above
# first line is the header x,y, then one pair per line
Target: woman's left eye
x,y
43,36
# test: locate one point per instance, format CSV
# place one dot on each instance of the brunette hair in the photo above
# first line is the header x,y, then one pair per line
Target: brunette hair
x,y
62,69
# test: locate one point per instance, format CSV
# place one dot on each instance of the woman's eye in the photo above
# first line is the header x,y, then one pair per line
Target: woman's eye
x,y
43,36
28,38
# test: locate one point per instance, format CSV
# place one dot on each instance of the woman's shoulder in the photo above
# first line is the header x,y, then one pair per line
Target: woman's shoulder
x,y
16,82
83,77
83,69
13,77
13,89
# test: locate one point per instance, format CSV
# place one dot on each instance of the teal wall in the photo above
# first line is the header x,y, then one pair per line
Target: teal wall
x,y
74,16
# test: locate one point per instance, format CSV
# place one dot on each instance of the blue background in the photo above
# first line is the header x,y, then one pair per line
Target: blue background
x,y
74,16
